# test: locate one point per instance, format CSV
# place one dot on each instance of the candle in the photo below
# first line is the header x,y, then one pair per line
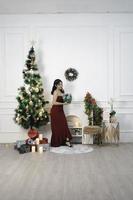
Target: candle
x,y
33,149
40,136
40,149
37,141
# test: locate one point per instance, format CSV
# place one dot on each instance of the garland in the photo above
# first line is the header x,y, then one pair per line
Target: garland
x,y
71,74
93,111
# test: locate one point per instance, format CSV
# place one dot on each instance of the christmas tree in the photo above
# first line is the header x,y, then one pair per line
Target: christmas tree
x,y
31,112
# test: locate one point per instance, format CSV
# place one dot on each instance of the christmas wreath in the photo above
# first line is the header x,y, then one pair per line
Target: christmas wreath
x,y
71,74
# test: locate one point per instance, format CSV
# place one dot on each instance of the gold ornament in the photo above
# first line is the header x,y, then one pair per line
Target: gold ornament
x,y
37,90
40,114
31,103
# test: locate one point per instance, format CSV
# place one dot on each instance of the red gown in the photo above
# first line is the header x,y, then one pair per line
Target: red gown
x,y
60,130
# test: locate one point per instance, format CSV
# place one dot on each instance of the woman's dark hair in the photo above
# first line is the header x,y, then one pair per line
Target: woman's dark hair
x,y
56,82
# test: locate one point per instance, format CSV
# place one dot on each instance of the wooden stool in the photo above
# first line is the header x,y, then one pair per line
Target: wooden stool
x,y
96,132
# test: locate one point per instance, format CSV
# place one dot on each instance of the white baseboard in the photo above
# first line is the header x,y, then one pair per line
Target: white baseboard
x,y
125,137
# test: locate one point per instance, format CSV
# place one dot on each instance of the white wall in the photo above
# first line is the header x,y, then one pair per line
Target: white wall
x,y
99,46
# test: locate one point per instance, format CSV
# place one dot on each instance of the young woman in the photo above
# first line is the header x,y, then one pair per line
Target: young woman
x,y
60,131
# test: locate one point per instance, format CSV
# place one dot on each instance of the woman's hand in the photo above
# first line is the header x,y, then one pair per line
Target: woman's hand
x,y
65,103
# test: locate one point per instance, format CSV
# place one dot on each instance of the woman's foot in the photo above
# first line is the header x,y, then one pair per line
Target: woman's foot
x,y
68,144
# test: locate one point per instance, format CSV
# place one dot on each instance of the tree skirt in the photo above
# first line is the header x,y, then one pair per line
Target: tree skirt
x,y
76,149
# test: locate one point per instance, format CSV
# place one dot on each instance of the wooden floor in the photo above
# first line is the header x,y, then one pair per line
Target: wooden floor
x,y
104,174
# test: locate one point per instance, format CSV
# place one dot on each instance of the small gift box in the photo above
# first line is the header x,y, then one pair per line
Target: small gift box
x,y
19,143
46,147
67,98
44,141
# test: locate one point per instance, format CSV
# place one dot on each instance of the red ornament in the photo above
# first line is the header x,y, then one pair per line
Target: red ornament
x,y
33,133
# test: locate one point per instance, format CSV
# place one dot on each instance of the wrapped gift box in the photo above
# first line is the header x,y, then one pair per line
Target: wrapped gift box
x,y
19,143
44,141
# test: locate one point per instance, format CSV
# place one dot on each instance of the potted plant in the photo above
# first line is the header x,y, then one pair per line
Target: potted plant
x,y
93,111
112,111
